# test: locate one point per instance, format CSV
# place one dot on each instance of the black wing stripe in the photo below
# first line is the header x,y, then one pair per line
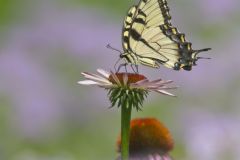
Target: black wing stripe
x,y
125,39
135,35
141,13
146,43
140,20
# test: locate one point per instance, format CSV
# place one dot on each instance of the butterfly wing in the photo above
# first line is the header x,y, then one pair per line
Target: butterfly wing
x,y
155,11
151,40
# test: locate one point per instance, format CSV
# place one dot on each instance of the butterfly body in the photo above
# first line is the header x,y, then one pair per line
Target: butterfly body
x,y
148,38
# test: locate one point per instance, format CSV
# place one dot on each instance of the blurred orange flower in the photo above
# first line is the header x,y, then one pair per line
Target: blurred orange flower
x,y
149,139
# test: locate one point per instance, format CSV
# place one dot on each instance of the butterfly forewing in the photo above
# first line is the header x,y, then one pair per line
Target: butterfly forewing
x,y
156,12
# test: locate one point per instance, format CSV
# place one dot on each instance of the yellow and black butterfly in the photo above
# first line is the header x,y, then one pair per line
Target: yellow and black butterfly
x,y
148,38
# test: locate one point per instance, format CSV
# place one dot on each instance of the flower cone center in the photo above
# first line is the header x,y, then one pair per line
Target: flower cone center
x,y
132,77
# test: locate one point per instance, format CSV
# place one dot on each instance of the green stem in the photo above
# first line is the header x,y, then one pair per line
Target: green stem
x,y
125,130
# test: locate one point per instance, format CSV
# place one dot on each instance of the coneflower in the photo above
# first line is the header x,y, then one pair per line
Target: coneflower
x,y
126,90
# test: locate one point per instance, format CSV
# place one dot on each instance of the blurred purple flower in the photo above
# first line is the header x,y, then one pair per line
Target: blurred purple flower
x,y
77,31
53,29
35,104
218,9
33,89
82,32
212,137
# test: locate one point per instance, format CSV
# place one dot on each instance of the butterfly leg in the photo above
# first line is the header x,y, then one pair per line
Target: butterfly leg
x,y
120,66
116,64
125,66
136,68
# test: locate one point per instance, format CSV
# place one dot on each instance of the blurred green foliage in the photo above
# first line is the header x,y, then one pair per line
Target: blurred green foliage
x,y
6,10
10,11
111,5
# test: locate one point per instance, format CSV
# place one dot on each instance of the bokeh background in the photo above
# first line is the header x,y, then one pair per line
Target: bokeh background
x,y
46,115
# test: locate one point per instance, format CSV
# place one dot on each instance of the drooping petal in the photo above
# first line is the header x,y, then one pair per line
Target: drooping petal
x,y
92,75
129,81
103,73
125,79
165,87
95,77
166,82
147,85
106,86
155,87
142,81
157,81
165,92
115,78
87,82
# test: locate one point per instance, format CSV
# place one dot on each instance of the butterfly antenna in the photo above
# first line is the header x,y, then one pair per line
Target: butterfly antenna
x,y
110,47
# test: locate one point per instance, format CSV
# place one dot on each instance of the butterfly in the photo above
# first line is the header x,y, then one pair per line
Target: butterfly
x,y
148,38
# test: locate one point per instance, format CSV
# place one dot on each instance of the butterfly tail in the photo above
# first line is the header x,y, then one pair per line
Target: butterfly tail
x,y
202,50
197,52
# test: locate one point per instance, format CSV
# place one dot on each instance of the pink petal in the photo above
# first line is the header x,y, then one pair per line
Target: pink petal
x,y
148,84
125,79
155,87
91,75
165,87
87,82
107,86
165,92
166,82
142,81
115,78
157,81
104,73
95,77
